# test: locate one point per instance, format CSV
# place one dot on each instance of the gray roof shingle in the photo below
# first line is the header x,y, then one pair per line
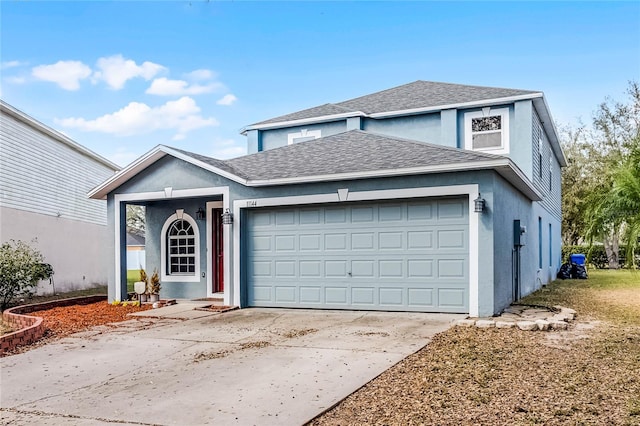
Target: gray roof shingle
x,y
354,151
419,94
220,164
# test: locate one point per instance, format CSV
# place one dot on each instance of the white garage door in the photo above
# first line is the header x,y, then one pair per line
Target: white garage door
x,y
396,256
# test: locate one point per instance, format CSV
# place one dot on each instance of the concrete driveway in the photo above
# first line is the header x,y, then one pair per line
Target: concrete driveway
x,y
244,367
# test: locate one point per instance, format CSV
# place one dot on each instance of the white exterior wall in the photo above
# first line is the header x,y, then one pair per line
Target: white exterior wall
x,y
44,181
41,174
76,250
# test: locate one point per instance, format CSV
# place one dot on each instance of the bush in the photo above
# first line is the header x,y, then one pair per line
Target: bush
x,y
597,256
21,268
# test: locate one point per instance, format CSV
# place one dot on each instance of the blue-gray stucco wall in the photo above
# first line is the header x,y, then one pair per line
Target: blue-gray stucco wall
x,y
423,127
275,138
504,203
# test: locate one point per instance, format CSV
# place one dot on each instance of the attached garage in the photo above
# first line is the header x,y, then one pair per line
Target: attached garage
x,y
409,255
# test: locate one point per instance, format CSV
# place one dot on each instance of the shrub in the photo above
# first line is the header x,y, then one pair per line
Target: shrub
x,y
21,267
597,256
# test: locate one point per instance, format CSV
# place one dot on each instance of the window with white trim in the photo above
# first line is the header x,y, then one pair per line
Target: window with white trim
x,y
487,130
303,136
180,248
181,253
540,158
550,174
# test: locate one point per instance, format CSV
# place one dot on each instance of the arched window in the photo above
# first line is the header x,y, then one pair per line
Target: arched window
x,y
181,243
180,249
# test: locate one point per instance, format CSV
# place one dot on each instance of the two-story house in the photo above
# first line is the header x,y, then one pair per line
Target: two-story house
x,y
428,197
44,180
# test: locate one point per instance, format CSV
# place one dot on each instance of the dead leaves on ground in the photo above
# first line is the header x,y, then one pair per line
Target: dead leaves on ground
x,y
491,376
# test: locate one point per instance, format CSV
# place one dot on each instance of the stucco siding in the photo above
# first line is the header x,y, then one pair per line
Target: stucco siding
x,y
275,138
78,251
510,205
423,127
42,175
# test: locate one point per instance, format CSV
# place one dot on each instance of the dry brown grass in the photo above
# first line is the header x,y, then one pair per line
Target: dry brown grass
x,y
589,374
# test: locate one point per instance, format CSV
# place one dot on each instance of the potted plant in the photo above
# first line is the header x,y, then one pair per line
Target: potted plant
x,y
142,295
154,287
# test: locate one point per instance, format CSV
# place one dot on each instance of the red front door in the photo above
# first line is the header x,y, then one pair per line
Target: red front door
x,y
218,252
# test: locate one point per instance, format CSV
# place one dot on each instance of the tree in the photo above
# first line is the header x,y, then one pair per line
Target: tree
x,y
612,204
135,219
21,267
577,179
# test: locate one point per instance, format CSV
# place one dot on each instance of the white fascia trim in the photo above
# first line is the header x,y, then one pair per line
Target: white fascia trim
x,y
163,251
461,105
100,192
303,121
161,195
30,121
528,189
550,127
388,194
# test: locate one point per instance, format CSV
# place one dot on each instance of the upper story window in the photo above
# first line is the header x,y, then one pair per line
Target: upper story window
x,y
540,158
487,130
550,174
303,136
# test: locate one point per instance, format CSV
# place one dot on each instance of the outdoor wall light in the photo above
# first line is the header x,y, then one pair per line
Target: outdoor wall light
x,y
200,214
227,217
479,204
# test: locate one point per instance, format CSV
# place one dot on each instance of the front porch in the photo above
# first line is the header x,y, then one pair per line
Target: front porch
x,y
186,243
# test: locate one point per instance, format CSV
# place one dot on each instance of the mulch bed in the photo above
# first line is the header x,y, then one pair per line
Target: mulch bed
x,y
60,322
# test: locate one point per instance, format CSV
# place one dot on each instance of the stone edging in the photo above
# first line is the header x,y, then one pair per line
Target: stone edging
x,y
30,327
525,318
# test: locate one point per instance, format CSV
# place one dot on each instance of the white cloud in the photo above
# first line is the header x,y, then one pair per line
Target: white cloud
x,y
137,118
199,75
228,148
66,74
16,80
11,64
116,71
165,87
227,99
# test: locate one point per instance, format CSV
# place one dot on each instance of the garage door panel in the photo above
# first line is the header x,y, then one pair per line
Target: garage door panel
x,y
390,256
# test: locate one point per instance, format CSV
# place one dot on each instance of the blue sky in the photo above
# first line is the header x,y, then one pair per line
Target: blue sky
x,y
122,77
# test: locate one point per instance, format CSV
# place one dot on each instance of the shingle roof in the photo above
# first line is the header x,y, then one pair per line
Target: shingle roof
x,y
419,94
354,151
220,164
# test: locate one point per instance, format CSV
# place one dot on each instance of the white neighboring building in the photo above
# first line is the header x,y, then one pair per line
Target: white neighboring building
x,y
44,180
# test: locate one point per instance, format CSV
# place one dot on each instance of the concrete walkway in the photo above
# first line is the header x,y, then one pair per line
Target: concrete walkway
x,y
243,367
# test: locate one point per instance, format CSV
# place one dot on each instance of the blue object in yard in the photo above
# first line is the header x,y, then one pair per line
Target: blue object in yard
x,y
578,259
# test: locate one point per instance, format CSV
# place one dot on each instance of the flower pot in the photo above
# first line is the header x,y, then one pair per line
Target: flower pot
x,y
154,297
143,298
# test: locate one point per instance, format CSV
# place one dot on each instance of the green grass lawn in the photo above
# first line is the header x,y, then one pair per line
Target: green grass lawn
x,y
133,275
611,295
